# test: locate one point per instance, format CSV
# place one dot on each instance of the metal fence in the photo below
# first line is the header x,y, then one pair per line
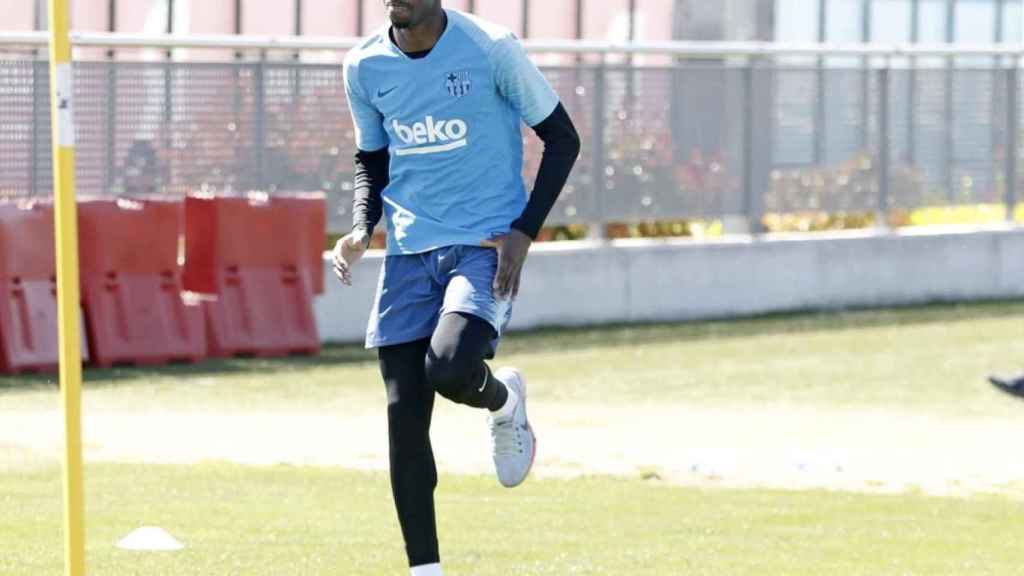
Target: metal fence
x,y
711,131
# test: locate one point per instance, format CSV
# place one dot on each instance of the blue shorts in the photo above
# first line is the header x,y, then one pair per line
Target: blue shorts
x,y
415,290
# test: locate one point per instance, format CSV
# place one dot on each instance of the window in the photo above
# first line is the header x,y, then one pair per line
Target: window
x,y
272,18
932,21
891,21
975,21
508,13
1012,20
844,21
654,19
600,18
88,15
145,16
796,21
552,19
328,17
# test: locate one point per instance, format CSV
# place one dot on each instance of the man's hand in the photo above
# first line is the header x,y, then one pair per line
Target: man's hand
x,y
512,250
347,251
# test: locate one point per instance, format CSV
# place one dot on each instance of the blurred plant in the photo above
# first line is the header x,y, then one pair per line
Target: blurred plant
x,y
839,197
960,215
665,229
817,221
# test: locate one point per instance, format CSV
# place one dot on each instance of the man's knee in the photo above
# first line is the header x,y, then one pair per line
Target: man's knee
x,y
453,375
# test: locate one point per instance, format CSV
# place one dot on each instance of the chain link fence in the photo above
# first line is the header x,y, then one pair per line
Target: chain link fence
x,y
698,138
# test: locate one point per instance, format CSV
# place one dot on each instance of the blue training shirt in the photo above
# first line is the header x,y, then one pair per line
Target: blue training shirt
x,y
451,123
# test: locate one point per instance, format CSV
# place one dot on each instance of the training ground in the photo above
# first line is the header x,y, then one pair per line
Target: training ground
x,y
853,443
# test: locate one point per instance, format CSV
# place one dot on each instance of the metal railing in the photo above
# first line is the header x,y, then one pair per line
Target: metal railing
x,y
671,130
674,48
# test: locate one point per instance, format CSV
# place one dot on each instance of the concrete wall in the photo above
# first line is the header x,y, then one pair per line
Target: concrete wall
x,y
583,283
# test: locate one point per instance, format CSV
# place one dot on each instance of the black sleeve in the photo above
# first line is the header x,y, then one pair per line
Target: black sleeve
x,y
371,177
561,148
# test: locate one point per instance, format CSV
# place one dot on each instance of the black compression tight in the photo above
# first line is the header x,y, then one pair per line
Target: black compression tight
x,y
451,363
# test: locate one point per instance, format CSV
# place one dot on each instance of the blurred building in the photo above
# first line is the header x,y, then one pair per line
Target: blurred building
x,y
664,135
782,20
588,19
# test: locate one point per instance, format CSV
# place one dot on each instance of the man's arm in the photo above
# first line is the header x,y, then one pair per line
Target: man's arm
x,y
371,173
522,84
371,177
371,159
561,149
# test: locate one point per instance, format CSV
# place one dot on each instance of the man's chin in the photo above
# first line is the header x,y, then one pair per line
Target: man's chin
x,y
400,24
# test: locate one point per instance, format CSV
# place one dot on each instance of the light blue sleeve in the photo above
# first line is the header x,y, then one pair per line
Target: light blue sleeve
x,y
521,83
369,123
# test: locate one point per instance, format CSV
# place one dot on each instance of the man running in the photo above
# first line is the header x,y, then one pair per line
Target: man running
x,y
438,98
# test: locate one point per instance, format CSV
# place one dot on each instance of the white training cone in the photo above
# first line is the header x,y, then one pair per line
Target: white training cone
x,y
149,538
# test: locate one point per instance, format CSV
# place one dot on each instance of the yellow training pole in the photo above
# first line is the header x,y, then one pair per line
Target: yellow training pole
x,y
66,228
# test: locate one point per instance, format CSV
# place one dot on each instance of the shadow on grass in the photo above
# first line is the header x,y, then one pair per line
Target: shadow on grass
x,y
567,339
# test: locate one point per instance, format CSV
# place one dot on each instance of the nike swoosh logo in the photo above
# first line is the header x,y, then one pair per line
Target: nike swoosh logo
x,y
383,93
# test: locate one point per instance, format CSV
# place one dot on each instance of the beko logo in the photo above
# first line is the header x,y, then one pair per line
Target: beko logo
x,y
431,136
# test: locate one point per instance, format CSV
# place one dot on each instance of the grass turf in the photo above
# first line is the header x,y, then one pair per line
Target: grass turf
x,y
931,358
306,521
286,520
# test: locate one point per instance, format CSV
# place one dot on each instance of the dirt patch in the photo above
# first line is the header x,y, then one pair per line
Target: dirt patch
x,y
740,446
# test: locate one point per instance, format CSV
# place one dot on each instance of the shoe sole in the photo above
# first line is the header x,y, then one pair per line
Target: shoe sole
x,y
1010,390
529,428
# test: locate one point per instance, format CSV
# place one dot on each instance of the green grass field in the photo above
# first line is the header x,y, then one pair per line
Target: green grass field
x,y
282,520
301,520
929,358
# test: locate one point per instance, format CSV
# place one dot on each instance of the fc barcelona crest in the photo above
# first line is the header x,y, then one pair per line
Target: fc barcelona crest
x,y
457,83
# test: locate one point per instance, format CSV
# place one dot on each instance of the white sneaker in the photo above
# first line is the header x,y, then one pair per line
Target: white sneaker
x,y
513,444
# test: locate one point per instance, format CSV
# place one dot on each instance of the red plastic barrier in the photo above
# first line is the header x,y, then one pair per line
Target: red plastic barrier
x,y
255,262
261,312
306,216
28,304
279,231
131,284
